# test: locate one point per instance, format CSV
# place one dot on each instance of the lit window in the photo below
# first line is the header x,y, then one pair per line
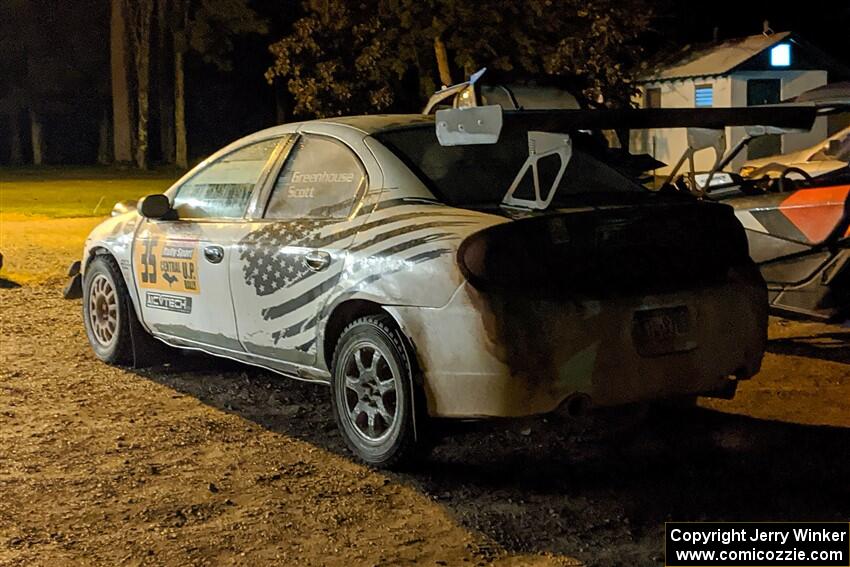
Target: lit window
x,y
780,55
704,96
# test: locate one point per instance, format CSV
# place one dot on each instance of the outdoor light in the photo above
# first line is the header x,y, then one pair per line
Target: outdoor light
x,y
780,55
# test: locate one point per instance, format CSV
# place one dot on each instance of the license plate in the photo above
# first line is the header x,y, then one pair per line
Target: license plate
x,y
662,331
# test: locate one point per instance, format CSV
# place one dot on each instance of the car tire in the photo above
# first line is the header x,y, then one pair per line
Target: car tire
x,y
112,327
372,394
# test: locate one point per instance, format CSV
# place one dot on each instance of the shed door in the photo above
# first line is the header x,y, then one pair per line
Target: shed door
x,y
764,91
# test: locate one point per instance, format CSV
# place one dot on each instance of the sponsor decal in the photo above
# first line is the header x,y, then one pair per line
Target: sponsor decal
x,y
301,193
167,265
816,212
266,266
268,270
167,302
322,177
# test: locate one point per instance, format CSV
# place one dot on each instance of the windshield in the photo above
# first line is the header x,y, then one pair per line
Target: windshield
x,y
482,174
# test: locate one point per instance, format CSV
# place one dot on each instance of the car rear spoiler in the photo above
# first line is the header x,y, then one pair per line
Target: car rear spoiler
x,y
482,124
793,117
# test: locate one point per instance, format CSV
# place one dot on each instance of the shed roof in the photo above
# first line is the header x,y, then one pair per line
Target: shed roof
x,y
716,59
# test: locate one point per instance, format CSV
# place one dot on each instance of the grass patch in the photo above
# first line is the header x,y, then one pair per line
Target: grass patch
x,y
76,192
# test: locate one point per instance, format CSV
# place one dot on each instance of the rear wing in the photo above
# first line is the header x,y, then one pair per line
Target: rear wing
x,y
482,124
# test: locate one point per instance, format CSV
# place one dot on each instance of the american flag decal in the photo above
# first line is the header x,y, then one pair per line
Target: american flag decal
x,y
266,265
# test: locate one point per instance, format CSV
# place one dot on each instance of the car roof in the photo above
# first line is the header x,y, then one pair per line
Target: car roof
x,y
375,123
366,124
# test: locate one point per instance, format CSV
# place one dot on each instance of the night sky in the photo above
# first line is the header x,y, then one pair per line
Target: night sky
x,y
225,105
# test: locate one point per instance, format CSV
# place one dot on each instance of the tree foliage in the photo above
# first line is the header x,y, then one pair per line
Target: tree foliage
x,y
346,58
339,58
204,27
212,25
600,53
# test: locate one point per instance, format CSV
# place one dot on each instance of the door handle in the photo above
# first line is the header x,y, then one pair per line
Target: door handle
x,y
214,254
317,260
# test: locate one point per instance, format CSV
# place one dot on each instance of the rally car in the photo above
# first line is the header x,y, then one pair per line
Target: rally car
x,y
433,268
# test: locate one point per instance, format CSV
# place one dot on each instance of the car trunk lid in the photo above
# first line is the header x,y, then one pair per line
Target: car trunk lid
x,y
633,249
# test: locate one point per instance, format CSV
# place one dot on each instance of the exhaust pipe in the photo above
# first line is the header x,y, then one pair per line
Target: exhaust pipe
x,y
577,405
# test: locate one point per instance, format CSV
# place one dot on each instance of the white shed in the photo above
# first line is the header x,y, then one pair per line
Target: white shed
x,y
759,69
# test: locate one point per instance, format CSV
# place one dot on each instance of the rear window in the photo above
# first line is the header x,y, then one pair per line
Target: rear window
x,y
482,174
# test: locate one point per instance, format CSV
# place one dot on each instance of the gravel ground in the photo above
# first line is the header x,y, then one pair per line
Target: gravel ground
x,y
206,461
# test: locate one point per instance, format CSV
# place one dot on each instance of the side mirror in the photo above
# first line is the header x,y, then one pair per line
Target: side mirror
x,y
155,207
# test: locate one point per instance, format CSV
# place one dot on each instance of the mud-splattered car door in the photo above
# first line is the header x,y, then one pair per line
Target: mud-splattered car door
x,y
294,255
181,266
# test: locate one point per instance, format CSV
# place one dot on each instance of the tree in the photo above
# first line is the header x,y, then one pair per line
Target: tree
x,y
52,89
122,109
338,50
601,53
164,79
340,57
139,16
205,27
13,69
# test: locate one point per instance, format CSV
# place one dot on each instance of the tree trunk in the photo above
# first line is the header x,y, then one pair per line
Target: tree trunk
x,y
442,62
165,80
103,156
141,12
181,147
122,133
281,100
143,84
37,138
16,153
180,44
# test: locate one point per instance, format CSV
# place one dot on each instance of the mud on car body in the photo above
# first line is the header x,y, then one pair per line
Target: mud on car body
x,y
413,278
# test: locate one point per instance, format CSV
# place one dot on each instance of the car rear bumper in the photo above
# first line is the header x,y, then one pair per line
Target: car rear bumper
x,y
508,357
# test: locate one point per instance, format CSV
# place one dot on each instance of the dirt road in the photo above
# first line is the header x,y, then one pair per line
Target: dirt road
x,y
211,462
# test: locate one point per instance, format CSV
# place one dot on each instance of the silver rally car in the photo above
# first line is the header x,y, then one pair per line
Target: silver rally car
x,y
425,277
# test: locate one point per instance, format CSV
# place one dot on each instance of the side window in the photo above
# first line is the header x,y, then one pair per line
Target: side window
x,y
320,179
222,189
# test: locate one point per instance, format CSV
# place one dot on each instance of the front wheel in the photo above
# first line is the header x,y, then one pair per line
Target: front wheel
x,y
372,394
105,312
113,330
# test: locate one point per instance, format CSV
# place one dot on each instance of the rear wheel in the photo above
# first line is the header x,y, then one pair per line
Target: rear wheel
x,y
372,394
